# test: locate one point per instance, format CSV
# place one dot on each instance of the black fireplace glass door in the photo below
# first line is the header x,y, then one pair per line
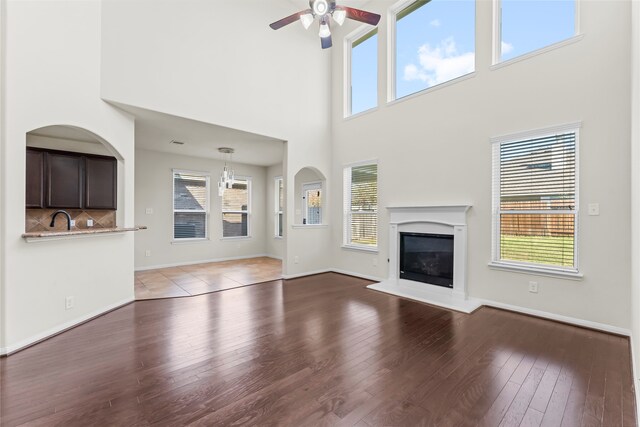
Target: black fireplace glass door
x,y
427,258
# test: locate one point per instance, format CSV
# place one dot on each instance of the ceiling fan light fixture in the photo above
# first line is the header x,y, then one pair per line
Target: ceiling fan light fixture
x,y
306,19
339,16
324,30
320,7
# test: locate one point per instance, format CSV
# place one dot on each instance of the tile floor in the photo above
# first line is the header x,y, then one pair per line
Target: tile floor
x,y
199,279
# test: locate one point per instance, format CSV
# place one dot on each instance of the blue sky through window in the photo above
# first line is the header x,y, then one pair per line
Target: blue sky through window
x,y
364,75
528,25
434,44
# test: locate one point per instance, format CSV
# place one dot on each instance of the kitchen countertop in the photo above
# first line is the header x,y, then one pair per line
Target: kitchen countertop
x,y
79,232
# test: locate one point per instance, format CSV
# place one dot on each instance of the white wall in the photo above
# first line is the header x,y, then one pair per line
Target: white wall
x,y
52,78
434,149
154,189
218,61
275,245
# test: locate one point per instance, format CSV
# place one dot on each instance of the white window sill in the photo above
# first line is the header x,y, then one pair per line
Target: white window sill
x,y
537,271
309,226
432,88
278,237
189,241
373,249
537,52
236,238
361,113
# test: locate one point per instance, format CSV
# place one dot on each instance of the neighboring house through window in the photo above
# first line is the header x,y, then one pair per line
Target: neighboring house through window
x,y
236,209
190,205
361,205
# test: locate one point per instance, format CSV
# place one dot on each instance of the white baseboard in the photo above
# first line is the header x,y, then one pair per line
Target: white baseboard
x,y
636,380
306,273
354,274
558,317
202,261
20,345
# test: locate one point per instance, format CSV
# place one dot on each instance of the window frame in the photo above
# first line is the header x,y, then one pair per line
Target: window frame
x,y
496,62
278,210
392,13
346,229
352,37
573,272
248,211
206,211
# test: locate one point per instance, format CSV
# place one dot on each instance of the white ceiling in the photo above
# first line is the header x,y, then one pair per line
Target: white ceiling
x,y
155,131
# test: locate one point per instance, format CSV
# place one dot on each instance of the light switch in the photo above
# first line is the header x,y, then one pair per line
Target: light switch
x,y
148,211
89,223
594,209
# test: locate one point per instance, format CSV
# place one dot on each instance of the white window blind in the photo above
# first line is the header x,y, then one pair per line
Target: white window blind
x,y
361,205
279,219
190,205
235,209
535,201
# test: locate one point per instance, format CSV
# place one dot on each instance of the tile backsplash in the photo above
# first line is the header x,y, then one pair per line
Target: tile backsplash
x,y
39,219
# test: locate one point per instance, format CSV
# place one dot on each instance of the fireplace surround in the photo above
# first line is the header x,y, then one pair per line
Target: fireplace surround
x,y
444,220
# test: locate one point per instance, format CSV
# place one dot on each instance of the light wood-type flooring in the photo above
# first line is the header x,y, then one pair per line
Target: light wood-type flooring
x,y
316,351
200,279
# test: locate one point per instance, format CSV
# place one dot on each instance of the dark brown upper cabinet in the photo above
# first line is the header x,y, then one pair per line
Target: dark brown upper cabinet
x,y
35,179
101,177
66,180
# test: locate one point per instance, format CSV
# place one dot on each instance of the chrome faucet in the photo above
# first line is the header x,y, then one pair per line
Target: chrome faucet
x,y
53,219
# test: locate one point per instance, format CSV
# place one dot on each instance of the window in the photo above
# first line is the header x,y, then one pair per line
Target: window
x,y
362,71
279,203
312,203
535,200
236,209
433,42
361,205
190,205
528,25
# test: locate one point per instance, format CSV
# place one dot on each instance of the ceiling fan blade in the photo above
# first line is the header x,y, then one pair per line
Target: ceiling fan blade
x,y
288,20
362,15
326,42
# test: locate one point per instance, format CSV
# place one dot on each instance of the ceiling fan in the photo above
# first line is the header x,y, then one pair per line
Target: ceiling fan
x,y
324,10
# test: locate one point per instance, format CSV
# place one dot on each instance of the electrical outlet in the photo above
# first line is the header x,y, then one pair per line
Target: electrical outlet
x,y
594,209
533,287
89,223
148,211
296,259
147,252
73,222
68,303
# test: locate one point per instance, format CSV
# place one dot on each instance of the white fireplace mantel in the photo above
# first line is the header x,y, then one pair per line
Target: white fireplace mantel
x,y
443,219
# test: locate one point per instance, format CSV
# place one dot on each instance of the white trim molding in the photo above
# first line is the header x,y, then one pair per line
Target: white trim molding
x,y
203,261
35,339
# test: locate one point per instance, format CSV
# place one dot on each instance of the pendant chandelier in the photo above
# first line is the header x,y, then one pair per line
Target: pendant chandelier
x,y
227,175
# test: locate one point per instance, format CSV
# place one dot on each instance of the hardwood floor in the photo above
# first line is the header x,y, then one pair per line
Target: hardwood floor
x,y
203,278
320,350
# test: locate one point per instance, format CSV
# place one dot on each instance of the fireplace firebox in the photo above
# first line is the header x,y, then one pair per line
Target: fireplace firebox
x,y
427,258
